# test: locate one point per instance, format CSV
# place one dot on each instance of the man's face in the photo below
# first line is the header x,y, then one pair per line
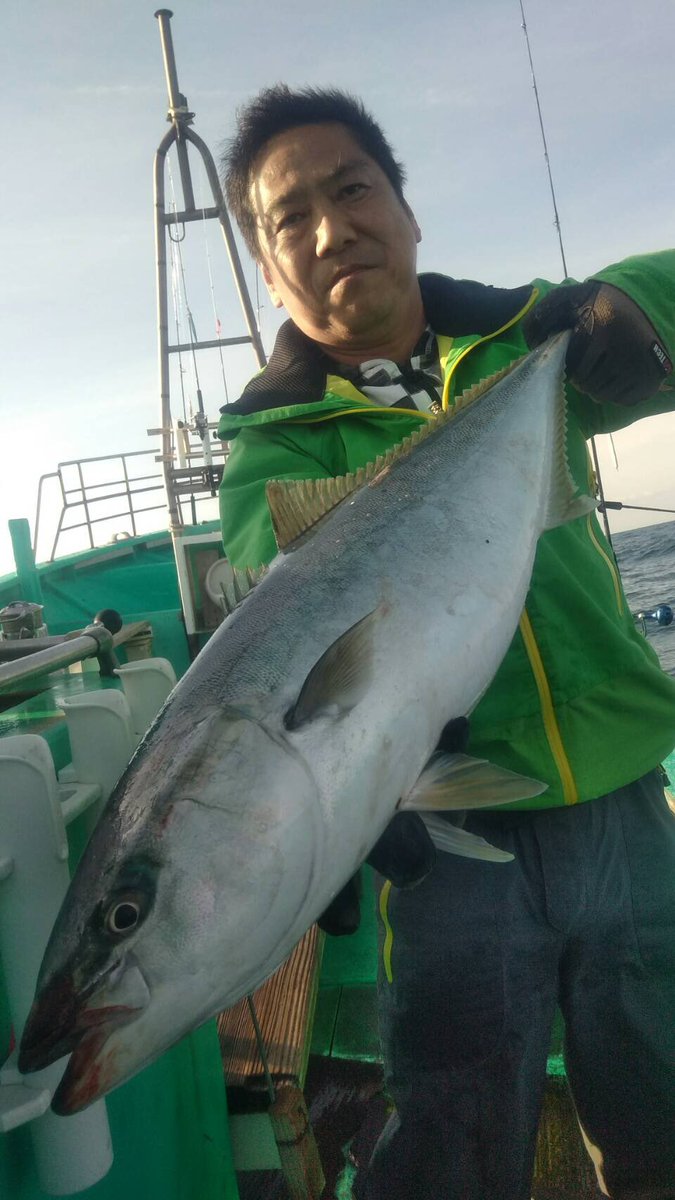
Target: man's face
x,y
337,246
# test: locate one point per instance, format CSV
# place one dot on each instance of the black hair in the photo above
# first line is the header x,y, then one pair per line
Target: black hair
x,y
276,109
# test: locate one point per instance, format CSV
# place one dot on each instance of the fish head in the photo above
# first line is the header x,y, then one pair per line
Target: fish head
x,y
193,877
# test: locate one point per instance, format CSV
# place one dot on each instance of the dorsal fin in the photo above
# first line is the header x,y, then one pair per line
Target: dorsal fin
x,y
473,393
238,588
298,505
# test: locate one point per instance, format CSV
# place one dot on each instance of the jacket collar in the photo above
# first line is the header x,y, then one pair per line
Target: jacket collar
x,y
297,370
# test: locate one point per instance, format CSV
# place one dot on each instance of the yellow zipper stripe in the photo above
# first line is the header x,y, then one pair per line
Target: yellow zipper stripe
x,y
444,343
570,793
371,408
612,567
346,389
343,388
388,931
446,387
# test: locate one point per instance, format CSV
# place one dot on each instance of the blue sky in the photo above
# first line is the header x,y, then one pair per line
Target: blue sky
x,y
84,108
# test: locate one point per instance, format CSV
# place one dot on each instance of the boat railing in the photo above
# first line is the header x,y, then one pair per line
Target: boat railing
x,y
109,496
27,659
94,491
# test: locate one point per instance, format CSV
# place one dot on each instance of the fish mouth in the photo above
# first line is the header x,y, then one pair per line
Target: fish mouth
x,y
63,1021
91,1071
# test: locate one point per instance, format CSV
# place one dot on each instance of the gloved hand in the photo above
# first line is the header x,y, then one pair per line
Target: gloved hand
x,y
614,354
404,854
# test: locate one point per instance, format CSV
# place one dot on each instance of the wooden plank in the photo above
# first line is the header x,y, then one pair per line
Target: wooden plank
x,y
130,631
562,1169
298,1152
285,1007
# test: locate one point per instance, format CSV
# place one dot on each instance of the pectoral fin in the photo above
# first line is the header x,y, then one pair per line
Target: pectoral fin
x,y
339,679
455,781
453,840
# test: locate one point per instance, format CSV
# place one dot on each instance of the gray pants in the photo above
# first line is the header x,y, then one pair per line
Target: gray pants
x,y
479,955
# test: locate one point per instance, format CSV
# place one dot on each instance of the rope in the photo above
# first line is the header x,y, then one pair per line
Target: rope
x,y
190,320
216,318
175,293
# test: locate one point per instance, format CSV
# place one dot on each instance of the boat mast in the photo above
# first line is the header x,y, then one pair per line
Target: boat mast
x,y
185,480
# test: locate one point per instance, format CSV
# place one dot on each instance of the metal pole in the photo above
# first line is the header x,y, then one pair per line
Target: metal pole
x,y
261,1050
27,576
96,640
180,134
85,505
130,501
178,114
233,253
175,517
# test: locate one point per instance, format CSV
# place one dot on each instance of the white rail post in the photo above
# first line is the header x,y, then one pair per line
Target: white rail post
x,y
101,742
147,683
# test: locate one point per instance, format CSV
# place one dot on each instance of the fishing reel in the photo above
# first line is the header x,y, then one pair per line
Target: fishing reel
x,y
661,615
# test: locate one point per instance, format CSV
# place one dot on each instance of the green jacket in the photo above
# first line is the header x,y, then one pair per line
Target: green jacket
x,y
580,700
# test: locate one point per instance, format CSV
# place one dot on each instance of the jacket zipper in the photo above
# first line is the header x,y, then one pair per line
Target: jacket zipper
x,y
349,412
488,337
388,931
612,569
553,735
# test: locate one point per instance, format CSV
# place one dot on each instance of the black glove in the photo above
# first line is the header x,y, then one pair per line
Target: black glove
x,y
614,354
404,854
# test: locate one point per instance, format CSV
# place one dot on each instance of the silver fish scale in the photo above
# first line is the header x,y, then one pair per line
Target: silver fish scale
x,y
400,526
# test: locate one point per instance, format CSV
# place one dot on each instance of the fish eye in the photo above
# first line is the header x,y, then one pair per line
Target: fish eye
x,y
129,900
123,916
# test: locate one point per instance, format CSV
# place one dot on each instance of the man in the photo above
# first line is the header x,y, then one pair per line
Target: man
x,y
478,955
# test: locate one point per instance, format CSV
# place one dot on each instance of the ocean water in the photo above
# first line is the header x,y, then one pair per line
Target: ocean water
x,y
646,560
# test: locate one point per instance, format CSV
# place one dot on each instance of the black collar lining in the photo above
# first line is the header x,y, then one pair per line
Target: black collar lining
x,y
297,369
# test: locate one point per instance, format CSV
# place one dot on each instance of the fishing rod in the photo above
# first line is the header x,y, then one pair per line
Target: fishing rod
x,y
556,221
638,507
662,614
556,218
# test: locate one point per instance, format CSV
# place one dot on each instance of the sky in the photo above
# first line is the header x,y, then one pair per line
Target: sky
x,y
84,101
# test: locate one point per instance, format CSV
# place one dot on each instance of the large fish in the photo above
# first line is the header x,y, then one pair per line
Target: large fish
x,y
313,712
